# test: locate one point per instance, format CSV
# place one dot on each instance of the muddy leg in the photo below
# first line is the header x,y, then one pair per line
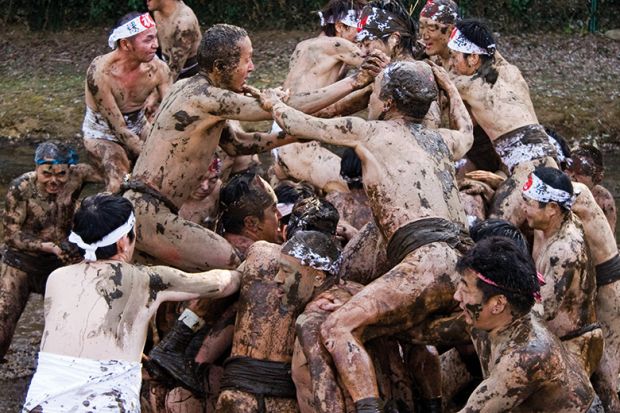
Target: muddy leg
x,y
111,158
14,291
180,400
395,302
425,366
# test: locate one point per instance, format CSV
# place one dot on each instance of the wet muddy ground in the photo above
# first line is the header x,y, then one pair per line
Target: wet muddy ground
x,y
573,80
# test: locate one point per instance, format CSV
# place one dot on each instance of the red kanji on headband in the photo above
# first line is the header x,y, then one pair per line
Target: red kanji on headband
x,y
147,21
528,184
361,24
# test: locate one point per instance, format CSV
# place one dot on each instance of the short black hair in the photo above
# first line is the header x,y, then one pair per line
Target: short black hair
x,y
477,32
501,228
289,192
98,216
503,262
219,48
555,179
560,145
594,166
351,169
313,214
335,10
408,25
243,195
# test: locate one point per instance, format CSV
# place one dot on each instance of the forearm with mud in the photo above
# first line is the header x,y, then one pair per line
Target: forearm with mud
x,y
14,234
350,104
311,102
238,142
297,123
459,117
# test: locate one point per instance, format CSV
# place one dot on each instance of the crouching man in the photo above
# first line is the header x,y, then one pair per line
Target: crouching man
x,y
529,369
92,344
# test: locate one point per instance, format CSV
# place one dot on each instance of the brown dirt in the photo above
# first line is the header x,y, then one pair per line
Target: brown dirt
x,y
573,78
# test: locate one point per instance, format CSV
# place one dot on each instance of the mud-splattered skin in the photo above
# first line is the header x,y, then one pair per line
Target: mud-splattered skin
x,y
178,33
529,371
499,108
33,218
403,165
112,302
265,325
602,243
121,81
312,163
606,201
364,257
568,297
352,206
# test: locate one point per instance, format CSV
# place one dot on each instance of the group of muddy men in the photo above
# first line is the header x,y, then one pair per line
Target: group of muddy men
x,y
426,246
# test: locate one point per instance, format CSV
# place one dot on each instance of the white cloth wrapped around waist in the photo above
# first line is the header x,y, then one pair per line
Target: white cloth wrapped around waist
x,y
275,128
95,126
72,384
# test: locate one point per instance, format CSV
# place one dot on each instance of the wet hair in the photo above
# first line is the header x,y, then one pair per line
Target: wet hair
x,y
555,179
561,146
289,192
494,227
400,22
502,261
479,33
55,153
244,195
593,165
123,20
351,169
337,9
98,216
412,87
317,250
313,214
219,48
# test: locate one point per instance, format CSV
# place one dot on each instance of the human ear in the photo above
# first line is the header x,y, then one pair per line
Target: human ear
x,y
250,222
394,40
499,304
319,278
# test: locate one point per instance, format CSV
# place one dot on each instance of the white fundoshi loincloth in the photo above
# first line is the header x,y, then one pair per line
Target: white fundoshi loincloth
x,y
95,126
72,384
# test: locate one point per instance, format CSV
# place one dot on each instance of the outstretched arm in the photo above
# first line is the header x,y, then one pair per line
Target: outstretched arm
x,y
341,131
460,136
235,141
170,284
231,105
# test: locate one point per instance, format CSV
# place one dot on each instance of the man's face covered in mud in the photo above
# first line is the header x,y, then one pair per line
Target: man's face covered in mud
x,y
51,178
296,282
469,296
235,79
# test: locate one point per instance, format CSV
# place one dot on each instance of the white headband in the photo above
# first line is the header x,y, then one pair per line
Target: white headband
x,y
131,28
350,19
537,190
111,238
462,44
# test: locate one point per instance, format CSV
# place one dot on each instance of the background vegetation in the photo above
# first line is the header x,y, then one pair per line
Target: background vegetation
x,y
539,15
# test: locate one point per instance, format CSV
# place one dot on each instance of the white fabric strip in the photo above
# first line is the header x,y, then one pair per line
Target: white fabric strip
x,y
131,28
460,43
350,19
537,190
111,238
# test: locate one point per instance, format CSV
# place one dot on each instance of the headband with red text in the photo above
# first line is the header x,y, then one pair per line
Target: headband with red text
x,y
131,28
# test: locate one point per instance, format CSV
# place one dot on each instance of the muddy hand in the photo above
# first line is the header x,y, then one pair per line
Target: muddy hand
x,y
269,97
489,178
251,90
441,76
373,64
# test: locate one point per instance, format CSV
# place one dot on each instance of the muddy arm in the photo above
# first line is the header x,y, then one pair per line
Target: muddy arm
x,y
170,284
512,381
445,331
460,137
350,104
235,141
558,272
88,173
347,52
